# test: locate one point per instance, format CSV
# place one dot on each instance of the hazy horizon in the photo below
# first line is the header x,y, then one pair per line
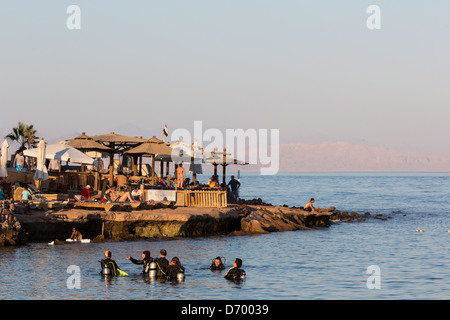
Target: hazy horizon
x,y
313,70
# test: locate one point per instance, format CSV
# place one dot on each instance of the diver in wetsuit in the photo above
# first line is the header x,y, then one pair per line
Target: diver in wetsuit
x,y
161,264
145,261
217,264
175,268
109,266
235,273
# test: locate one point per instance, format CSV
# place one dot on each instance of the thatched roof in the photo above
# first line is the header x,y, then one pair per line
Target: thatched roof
x,y
86,143
117,138
153,146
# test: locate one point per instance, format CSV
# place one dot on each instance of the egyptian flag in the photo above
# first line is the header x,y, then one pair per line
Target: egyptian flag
x,y
166,133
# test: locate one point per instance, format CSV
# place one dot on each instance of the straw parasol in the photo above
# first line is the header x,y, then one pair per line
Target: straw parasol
x,y
151,148
86,143
4,159
221,158
118,144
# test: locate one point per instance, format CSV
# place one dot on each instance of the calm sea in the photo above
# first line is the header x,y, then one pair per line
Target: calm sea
x,y
329,263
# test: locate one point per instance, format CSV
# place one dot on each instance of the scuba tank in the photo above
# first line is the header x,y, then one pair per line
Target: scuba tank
x,y
152,270
106,270
180,276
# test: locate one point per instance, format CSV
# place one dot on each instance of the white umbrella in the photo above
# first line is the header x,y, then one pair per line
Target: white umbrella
x,y
62,152
4,159
41,170
182,152
196,166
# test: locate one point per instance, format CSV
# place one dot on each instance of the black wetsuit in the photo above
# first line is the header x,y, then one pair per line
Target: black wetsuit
x,y
214,267
161,266
145,263
173,270
111,264
235,274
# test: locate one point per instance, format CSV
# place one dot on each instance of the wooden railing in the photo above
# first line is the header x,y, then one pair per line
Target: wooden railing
x,y
205,198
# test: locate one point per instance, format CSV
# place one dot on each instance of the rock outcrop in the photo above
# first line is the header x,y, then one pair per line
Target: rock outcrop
x,y
241,219
10,228
266,219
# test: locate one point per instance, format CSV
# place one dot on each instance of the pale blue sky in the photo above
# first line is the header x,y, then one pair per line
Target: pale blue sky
x,y
309,68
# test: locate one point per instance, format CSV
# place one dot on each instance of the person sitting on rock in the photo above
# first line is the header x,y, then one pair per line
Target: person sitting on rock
x,y
309,206
76,235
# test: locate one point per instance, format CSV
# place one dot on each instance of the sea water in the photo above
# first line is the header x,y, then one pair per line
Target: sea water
x,y
328,263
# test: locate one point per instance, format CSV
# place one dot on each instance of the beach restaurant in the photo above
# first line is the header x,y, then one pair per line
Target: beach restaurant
x,y
69,166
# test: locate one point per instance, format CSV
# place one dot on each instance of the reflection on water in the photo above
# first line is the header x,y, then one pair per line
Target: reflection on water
x,y
315,264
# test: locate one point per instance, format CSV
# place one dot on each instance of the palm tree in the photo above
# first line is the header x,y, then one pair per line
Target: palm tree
x,y
25,135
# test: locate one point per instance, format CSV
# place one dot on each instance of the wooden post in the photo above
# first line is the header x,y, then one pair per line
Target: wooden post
x,y
111,164
134,165
153,169
223,164
167,168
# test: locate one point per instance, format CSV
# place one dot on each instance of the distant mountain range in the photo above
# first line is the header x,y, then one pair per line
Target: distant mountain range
x,y
344,156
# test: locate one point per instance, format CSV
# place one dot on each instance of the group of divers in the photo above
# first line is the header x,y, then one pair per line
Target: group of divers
x,y
161,268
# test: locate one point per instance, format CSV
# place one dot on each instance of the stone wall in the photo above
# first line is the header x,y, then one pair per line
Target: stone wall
x,y
10,228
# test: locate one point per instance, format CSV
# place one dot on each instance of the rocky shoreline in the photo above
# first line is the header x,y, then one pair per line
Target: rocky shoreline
x,y
20,224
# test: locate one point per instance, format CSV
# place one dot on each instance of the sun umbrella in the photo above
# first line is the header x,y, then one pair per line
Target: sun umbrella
x,y
62,152
182,152
41,170
4,159
86,143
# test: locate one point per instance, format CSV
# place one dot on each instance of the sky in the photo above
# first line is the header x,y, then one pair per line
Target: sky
x,y
311,69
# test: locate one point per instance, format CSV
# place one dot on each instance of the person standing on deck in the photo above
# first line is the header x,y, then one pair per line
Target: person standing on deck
x,y
19,161
235,185
180,174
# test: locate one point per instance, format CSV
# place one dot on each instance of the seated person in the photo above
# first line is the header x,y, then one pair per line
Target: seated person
x,y
132,195
27,195
2,193
162,183
85,193
309,206
76,235
112,195
213,182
